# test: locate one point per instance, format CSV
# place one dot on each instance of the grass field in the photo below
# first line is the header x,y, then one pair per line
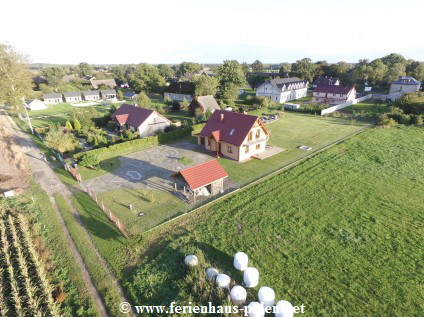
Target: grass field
x,y
341,233
105,166
366,107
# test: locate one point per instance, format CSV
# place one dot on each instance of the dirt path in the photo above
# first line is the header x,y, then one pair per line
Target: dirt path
x,y
48,180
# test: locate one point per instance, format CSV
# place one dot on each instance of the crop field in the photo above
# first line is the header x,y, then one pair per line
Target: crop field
x,y
340,233
25,289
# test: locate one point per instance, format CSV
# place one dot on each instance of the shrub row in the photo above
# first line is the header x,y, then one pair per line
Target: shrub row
x,y
137,144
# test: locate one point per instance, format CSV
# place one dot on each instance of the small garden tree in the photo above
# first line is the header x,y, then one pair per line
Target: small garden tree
x,y
120,95
143,100
59,140
77,125
68,126
89,159
184,105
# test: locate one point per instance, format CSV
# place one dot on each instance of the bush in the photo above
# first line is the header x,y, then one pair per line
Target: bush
x,y
89,159
417,120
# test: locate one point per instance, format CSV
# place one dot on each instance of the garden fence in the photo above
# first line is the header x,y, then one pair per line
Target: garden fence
x,y
108,212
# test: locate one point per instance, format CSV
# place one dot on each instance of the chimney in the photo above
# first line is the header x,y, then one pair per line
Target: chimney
x,y
222,117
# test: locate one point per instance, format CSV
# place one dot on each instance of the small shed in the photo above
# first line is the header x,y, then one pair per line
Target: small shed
x,y
204,103
35,104
201,180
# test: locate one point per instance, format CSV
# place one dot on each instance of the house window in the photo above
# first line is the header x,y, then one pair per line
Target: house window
x,y
230,149
247,150
209,142
250,136
258,146
258,133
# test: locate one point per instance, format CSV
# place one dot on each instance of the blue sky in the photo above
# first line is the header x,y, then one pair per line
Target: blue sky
x,y
135,31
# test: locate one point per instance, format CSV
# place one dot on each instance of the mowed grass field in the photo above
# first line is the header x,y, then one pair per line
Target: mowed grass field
x,y
365,107
289,132
341,233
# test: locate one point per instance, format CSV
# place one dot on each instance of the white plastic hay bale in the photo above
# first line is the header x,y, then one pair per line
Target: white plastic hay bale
x,y
255,309
251,277
240,261
266,296
238,295
191,260
284,309
223,280
211,273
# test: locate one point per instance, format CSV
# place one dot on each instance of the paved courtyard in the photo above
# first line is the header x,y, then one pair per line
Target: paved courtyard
x,y
150,168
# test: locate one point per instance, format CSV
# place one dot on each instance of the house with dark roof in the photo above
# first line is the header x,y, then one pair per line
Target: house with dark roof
x,y
108,94
283,89
72,96
201,104
403,85
111,83
130,95
51,99
92,95
144,121
324,80
180,91
204,179
234,135
333,94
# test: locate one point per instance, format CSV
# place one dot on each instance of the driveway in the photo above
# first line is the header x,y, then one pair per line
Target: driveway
x,y
151,168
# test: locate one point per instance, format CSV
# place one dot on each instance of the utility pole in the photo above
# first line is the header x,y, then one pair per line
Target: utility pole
x,y
26,112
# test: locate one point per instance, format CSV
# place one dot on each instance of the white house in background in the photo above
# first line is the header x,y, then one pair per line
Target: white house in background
x,y
91,95
320,80
180,91
283,89
72,96
35,104
51,99
333,94
109,94
130,95
404,85
145,121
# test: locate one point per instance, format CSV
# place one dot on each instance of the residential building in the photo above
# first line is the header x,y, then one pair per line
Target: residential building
x,y
203,104
204,179
51,99
180,91
35,104
320,80
130,95
107,82
404,85
234,135
91,95
144,121
72,96
108,94
283,89
333,94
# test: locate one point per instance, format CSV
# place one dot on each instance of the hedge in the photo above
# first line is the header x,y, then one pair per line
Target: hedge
x,y
137,144
198,127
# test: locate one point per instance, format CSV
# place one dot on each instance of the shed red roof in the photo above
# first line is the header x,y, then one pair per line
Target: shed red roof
x,y
132,115
203,174
233,127
334,89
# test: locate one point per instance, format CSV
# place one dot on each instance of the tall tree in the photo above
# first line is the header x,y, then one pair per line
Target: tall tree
x,y
15,77
119,72
144,101
166,71
230,77
304,69
206,85
322,68
147,78
53,76
393,59
285,67
257,66
245,67
341,70
84,69
416,70
362,70
394,72
188,68
377,72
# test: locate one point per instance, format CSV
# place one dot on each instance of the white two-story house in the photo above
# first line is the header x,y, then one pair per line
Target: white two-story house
x,y
283,89
333,94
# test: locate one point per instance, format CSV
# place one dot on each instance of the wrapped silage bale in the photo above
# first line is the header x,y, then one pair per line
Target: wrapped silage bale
x,y
211,273
191,260
238,295
223,280
251,277
240,261
266,296
255,309
284,309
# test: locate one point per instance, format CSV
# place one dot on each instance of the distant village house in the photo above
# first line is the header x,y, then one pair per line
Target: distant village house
x,y
108,94
404,85
180,91
201,104
35,104
130,95
72,96
333,94
107,82
283,89
51,99
325,81
145,122
91,95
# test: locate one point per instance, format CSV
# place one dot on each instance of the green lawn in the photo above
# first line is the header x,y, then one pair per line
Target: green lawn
x,y
289,132
157,205
106,166
366,107
341,233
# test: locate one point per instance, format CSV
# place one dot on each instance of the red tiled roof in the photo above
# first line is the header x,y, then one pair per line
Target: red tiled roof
x,y
233,127
132,115
334,89
203,174
216,135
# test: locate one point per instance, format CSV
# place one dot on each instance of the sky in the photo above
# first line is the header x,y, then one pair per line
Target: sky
x,y
173,31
